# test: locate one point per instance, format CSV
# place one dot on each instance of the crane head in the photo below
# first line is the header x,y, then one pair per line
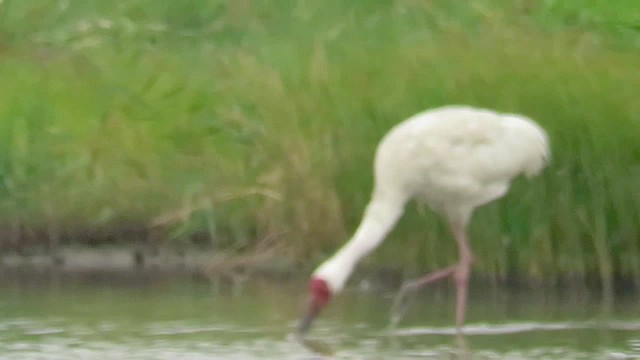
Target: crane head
x,y
319,296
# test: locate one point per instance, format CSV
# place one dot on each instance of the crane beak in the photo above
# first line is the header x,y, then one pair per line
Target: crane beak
x,y
313,309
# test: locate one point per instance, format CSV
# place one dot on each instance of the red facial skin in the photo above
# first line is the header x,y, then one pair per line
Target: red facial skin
x,y
319,297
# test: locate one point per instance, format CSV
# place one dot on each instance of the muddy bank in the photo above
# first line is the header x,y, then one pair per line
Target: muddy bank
x,y
110,259
123,265
133,266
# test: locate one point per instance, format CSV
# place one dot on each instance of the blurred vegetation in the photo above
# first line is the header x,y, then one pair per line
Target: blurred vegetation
x,y
231,122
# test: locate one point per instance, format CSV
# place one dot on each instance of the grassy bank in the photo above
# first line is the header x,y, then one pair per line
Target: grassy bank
x,y
238,121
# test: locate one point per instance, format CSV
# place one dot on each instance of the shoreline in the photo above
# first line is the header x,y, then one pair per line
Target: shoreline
x,y
129,265
109,258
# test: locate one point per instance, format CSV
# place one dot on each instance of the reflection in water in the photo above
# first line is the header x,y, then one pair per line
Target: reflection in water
x,y
462,351
316,346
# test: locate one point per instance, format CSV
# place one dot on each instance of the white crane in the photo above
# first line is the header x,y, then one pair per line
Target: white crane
x,y
453,158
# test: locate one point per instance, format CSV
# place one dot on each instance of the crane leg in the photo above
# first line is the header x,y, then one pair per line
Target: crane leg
x,y
460,272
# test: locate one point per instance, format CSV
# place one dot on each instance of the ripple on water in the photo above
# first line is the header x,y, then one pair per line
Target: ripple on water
x,y
182,340
182,328
265,349
491,329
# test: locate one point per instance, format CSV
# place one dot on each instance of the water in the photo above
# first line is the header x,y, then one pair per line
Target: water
x,y
122,317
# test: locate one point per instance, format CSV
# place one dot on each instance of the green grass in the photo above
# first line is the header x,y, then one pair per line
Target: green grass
x,y
243,120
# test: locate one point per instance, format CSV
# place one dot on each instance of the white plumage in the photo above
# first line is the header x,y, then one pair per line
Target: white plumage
x,y
453,158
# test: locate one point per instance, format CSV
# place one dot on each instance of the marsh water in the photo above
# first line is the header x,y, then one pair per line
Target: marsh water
x,y
124,316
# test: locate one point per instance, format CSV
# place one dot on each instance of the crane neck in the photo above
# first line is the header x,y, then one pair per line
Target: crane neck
x,y
380,216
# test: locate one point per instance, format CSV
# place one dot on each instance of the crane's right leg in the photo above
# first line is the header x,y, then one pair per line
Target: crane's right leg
x,y
460,272
400,302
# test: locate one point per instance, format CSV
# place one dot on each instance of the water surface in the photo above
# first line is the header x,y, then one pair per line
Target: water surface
x,y
123,317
